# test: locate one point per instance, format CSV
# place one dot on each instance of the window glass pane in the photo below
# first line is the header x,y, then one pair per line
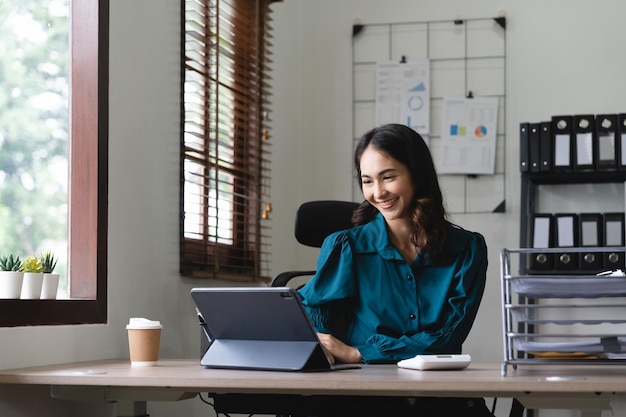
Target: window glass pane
x,y
193,200
221,208
34,68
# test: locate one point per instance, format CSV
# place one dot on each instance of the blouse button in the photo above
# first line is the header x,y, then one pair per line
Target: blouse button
x,y
409,278
412,316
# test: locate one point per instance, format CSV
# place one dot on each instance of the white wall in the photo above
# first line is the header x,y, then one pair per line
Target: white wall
x,y
561,59
546,75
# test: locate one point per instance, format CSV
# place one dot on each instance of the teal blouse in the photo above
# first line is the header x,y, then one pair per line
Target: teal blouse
x,y
368,296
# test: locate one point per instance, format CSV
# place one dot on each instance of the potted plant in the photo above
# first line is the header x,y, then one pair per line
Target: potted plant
x,y
33,278
11,276
50,279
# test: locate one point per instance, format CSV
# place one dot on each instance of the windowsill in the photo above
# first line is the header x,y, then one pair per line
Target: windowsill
x,y
51,312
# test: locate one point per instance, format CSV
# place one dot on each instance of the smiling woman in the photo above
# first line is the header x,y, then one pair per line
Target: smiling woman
x,y
35,145
404,281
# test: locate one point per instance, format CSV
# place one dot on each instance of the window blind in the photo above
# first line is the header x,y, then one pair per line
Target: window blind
x,y
225,161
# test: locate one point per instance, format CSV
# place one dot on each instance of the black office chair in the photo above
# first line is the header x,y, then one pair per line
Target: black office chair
x,y
315,220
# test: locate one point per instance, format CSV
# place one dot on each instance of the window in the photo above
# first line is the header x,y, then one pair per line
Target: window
x,y
225,140
88,181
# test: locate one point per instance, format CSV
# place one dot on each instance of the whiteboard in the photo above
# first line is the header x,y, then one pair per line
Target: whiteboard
x,y
467,58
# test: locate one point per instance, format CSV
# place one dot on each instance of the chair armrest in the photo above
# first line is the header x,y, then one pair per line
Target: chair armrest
x,y
283,278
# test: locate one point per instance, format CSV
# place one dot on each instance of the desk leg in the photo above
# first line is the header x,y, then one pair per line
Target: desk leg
x,y
590,413
589,406
132,409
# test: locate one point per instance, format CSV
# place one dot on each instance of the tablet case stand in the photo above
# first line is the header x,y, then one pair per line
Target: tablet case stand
x,y
266,355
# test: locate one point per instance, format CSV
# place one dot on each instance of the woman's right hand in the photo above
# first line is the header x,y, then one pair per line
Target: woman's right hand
x,y
339,351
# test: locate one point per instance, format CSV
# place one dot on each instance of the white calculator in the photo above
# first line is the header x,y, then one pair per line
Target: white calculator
x,y
434,362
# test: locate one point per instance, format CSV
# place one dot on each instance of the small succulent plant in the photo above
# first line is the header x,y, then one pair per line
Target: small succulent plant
x,y
32,264
10,263
48,261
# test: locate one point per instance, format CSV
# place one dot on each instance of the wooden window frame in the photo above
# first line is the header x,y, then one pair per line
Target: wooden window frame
x,y
225,138
88,160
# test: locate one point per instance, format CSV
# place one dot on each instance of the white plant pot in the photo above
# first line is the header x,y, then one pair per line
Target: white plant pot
x,y
49,286
11,284
31,287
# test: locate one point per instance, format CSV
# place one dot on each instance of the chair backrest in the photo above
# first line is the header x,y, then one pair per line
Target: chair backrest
x,y
315,220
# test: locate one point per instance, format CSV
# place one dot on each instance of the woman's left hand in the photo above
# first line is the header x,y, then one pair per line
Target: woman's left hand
x,y
340,351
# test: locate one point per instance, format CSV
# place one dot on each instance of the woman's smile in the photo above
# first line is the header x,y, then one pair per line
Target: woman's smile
x,y
387,204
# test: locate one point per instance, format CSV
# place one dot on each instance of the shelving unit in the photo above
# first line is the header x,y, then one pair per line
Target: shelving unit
x,y
564,319
560,324
587,327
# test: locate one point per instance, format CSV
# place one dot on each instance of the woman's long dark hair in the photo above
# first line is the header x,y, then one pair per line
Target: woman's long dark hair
x,y
429,216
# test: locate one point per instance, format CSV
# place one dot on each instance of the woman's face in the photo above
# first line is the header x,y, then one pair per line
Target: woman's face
x,y
387,184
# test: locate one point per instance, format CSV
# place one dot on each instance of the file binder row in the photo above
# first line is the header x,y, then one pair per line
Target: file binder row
x,y
576,230
574,143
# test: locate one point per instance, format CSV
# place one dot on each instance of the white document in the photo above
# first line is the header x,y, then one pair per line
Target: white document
x,y
561,150
403,94
468,136
584,148
565,229
541,236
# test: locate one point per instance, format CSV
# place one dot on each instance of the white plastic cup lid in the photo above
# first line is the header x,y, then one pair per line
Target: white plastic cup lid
x,y
142,323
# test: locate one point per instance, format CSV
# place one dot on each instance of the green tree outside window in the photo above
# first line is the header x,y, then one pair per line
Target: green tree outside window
x,y
34,68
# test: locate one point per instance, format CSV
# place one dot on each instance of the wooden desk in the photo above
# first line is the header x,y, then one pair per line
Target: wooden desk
x,y
579,387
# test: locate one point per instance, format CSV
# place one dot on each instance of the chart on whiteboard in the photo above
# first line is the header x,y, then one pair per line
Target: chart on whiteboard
x,y
468,135
403,94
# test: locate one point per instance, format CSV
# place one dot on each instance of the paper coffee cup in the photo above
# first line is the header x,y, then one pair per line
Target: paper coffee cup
x,y
144,338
